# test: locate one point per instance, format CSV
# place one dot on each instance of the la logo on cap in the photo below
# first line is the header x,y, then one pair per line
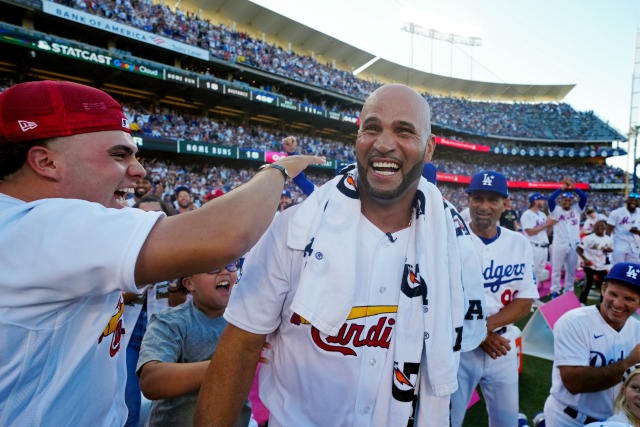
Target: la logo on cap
x,y
632,273
25,125
487,180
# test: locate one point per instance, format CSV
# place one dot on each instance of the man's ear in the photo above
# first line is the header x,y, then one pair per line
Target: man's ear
x,y
186,282
44,162
431,146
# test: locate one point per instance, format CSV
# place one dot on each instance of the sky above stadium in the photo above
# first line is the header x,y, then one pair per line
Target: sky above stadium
x,y
586,42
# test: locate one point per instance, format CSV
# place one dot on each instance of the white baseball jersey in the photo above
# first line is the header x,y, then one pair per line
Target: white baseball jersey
x,y
567,231
312,378
592,245
583,338
507,269
531,219
64,265
623,221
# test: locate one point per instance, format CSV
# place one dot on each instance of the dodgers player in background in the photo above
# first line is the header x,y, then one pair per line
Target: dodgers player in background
x,y
510,288
593,345
566,235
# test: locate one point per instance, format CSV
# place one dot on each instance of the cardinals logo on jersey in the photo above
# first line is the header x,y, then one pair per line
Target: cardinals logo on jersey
x,y
404,381
413,285
353,333
114,328
347,186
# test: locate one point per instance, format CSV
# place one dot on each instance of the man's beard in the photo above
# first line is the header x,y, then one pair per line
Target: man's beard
x,y
140,192
407,180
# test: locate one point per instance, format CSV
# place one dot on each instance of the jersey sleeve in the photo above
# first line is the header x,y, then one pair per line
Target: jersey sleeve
x,y
529,287
257,301
68,249
527,220
613,218
569,347
162,341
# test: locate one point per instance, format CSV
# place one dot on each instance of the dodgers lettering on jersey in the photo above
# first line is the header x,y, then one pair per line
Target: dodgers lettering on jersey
x,y
497,275
507,269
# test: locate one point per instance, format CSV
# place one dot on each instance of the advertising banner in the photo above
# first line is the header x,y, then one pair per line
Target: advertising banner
x,y
463,145
128,31
205,149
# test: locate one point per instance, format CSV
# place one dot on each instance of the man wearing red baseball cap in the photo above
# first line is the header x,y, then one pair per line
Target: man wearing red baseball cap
x,y
66,160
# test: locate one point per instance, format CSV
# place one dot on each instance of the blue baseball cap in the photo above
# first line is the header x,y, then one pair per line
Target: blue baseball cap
x,y
286,193
634,196
536,196
567,194
626,272
489,181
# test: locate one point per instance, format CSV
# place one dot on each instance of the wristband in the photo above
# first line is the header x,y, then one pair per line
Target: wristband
x,y
280,168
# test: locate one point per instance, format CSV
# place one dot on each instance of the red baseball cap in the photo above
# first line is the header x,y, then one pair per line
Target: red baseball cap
x,y
213,194
48,109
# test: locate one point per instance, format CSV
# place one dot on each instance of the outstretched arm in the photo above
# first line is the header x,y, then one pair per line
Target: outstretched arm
x,y
229,377
218,233
582,202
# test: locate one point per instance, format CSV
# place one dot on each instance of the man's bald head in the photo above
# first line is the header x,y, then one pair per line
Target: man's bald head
x,y
400,93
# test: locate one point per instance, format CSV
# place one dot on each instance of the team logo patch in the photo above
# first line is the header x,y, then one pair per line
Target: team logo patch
x,y
115,329
413,285
25,125
632,273
487,180
347,186
404,381
125,123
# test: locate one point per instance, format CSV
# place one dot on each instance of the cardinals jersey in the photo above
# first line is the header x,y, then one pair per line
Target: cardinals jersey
x,y
312,378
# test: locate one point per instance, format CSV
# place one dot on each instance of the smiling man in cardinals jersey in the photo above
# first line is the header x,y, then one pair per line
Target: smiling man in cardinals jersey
x,y
510,287
593,346
67,161
344,289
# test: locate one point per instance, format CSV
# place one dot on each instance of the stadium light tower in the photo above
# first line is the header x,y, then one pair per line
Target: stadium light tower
x,y
451,38
634,114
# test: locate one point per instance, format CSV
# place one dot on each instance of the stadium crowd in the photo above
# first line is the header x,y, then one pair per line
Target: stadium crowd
x,y
521,120
201,179
173,124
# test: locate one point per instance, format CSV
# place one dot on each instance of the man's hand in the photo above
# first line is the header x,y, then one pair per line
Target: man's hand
x,y
568,183
495,345
296,164
550,222
289,144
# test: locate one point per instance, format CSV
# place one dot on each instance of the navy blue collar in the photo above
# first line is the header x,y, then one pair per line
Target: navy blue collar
x,y
490,240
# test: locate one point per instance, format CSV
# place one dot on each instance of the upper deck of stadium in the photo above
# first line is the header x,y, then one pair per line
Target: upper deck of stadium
x,y
262,22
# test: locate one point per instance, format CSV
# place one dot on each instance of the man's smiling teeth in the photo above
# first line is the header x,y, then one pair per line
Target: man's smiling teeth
x,y
223,284
385,168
